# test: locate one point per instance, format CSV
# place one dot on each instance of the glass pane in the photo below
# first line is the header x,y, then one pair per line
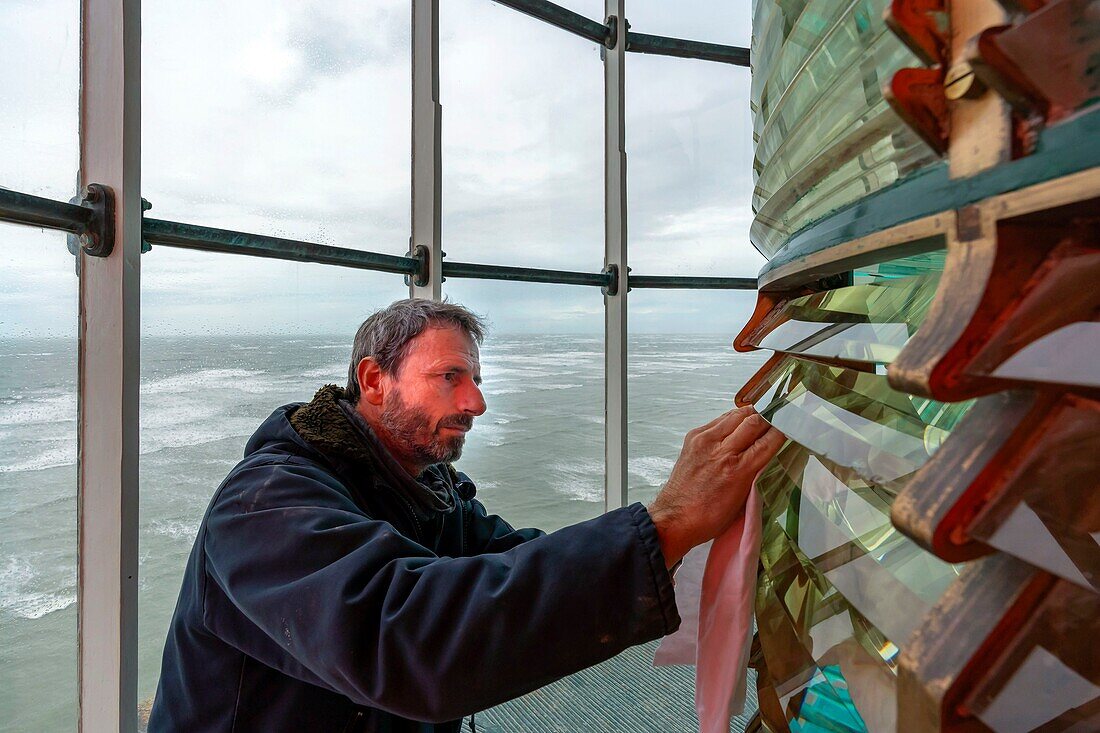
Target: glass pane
x,y
682,372
829,667
868,323
841,523
221,349
825,135
287,118
39,96
38,355
689,149
522,140
537,453
698,20
853,418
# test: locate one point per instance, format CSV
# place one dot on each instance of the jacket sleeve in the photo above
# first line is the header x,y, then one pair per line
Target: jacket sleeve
x,y
490,533
299,578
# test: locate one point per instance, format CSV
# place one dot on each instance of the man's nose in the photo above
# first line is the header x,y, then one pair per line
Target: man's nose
x,y
471,401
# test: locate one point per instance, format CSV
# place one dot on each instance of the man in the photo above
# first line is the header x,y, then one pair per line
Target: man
x,y
344,577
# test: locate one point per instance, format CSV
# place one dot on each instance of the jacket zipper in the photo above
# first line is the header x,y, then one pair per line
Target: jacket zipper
x,y
352,726
465,524
412,513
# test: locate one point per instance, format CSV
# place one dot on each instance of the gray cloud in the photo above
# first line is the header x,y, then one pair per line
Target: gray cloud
x,y
523,126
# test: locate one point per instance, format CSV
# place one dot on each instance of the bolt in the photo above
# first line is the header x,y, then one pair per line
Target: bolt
x,y
89,240
961,83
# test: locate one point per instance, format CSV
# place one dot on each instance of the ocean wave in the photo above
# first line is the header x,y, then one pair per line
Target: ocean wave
x,y
494,391
581,479
331,372
175,529
492,434
153,440
37,408
239,379
64,455
652,470
18,597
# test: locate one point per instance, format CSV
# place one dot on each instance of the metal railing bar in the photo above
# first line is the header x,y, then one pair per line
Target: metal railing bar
x,y
682,48
670,282
523,274
560,17
30,210
209,239
37,211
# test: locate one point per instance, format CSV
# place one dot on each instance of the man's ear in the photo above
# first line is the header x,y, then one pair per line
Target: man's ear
x,y
370,381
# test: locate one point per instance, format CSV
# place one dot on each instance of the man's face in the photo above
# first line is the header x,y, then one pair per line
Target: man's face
x,y
432,400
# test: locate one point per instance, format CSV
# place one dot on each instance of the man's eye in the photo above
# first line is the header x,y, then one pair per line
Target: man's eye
x,y
449,376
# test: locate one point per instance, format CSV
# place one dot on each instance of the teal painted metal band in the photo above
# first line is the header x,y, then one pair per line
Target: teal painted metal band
x,y
1067,148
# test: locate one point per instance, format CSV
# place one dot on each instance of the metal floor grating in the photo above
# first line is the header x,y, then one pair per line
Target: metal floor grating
x,y
625,694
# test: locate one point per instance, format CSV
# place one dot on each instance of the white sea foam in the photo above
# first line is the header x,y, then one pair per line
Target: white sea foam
x,y
581,479
503,390
38,408
337,371
205,379
61,455
19,597
651,470
492,434
175,529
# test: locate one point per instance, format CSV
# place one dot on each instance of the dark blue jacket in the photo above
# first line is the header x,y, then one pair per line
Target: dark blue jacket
x,y
320,598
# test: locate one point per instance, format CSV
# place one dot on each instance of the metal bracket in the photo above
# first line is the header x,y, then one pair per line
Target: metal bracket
x,y
612,287
145,206
917,96
612,36
918,23
98,239
422,255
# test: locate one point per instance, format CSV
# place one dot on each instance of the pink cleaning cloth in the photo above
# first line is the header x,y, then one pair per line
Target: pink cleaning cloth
x,y
715,589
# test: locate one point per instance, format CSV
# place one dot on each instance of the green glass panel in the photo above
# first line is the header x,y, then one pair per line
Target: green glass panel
x,y
925,263
829,666
855,419
866,323
824,134
841,523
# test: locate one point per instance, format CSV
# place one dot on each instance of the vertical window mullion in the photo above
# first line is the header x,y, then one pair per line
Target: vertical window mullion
x,y
615,310
427,114
108,371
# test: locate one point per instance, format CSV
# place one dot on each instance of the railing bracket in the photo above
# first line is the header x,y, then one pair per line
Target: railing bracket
x,y
422,275
97,239
612,287
612,36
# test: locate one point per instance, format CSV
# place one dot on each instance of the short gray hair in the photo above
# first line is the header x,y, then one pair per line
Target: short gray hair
x,y
385,336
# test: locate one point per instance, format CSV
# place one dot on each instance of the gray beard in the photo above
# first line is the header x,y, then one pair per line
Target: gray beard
x,y
410,431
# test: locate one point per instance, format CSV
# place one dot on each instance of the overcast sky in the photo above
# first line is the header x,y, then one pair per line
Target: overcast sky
x,y
292,118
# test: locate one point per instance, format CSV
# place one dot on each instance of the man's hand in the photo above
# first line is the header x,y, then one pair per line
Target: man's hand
x,y
711,480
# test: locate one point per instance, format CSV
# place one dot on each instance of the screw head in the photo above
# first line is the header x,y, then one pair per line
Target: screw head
x,y
961,83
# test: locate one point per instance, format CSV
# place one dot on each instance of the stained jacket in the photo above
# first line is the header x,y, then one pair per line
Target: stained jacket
x,y
325,592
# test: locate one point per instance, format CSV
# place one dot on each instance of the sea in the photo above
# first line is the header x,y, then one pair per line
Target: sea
x,y
536,456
